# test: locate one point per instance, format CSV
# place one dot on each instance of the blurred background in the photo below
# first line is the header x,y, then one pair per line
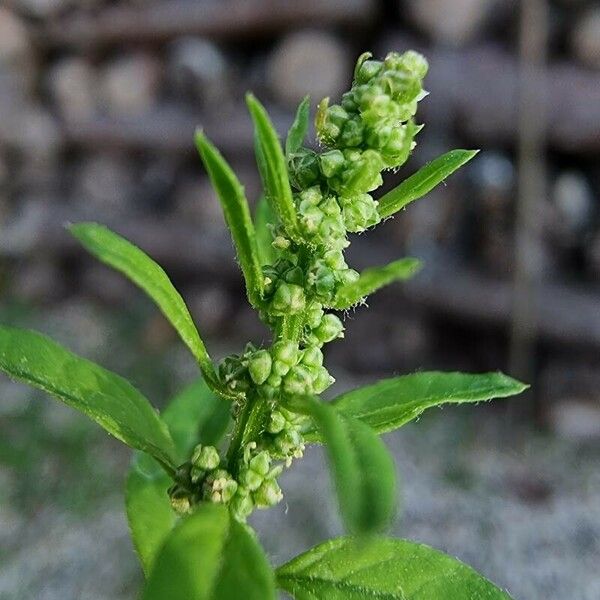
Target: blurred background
x,y
98,103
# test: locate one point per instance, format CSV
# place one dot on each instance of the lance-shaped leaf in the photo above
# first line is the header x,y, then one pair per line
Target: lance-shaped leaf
x,y
237,214
382,568
423,181
263,218
273,168
210,556
362,468
393,402
122,255
299,127
194,416
371,280
103,396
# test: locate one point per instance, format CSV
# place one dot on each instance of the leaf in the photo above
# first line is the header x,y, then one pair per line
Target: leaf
x,y
299,127
237,214
122,255
423,181
373,279
209,556
194,416
103,396
273,169
263,217
393,402
382,569
362,469
149,513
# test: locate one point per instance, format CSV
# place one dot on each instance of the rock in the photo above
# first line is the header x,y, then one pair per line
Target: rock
x,y
576,420
308,62
105,185
585,38
130,84
574,200
452,22
38,281
42,9
210,307
593,257
154,190
34,132
72,84
197,69
20,234
15,46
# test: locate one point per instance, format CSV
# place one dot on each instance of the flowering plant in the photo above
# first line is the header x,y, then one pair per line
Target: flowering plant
x,y
216,453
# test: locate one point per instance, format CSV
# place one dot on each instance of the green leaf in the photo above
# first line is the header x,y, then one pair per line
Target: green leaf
x,y
382,569
273,169
194,416
373,279
149,513
237,214
209,556
393,402
423,181
263,217
103,396
362,468
122,255
299,127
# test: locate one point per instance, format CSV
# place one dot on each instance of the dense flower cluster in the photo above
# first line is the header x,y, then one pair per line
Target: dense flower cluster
x,y
370,131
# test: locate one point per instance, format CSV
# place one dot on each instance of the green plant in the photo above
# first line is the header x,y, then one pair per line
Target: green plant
x,y
188,493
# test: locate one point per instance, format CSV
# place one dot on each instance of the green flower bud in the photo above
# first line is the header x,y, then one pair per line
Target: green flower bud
x,y
274,380
331,162
250,479
280,368
330,122
322,380
329,329
297,381
352,134
303,168
363,175
261,463
277,422
311,218
368,70
288,299
348,276
314,315
312,357
359,212
242,505
312,196
205,457
294,275
259,366
349,103
268,494
280,243
414,62
323,280
285,351
289,442
181,499
334,259
220,487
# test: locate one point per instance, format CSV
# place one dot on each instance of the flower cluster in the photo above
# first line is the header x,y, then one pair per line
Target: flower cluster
x,y
370,131
204,478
